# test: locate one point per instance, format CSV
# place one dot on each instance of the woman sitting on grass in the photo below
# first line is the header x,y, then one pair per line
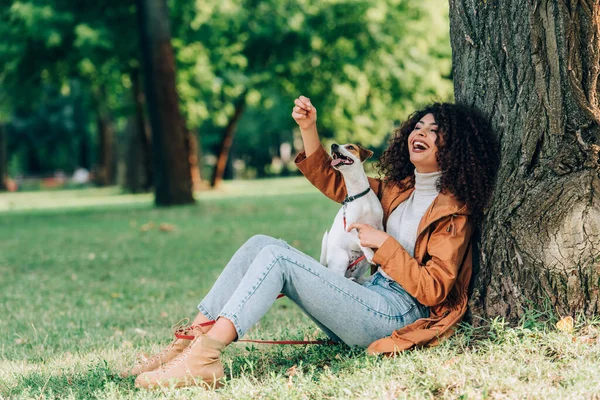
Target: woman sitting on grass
x,y
438,174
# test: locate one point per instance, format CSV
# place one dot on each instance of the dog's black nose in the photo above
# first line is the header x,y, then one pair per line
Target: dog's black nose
x,y
334,147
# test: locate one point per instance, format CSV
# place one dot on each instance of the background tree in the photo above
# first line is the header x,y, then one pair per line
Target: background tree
x,y
365,62
68,53
172,179
3,159
533,67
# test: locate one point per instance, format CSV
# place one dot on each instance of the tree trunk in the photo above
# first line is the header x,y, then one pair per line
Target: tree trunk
x,y
105,171
226,141
200,154
140,178
133,159
79,118
194,157
3,159
172,180
533,67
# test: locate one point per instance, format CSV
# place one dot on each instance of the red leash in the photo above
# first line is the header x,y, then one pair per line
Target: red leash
x,y
212,322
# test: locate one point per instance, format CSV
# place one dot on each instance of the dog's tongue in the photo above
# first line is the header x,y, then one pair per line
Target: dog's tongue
x,y
336,161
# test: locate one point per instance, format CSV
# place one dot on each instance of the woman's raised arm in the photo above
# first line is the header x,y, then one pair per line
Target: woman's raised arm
x,y
305,115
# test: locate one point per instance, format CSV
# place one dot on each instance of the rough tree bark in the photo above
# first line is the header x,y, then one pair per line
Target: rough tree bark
x,y
227,141
533,67
172,180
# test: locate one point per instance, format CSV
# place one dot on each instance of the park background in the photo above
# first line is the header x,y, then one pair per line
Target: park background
x,y
112,112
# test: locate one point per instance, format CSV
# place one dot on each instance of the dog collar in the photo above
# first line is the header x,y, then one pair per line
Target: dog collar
x,y
350,199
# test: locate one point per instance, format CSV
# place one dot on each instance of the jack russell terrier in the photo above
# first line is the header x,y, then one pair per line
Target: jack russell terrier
x,y
341,250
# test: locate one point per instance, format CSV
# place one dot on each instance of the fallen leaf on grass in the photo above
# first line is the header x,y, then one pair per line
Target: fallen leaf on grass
x,y
566,324
166,227
585,339
146,227
290,373
140,331
451,362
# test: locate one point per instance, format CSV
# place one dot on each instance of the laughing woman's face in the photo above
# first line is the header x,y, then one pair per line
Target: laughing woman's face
x,y
421,145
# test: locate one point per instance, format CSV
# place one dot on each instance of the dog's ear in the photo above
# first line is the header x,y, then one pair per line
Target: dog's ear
x,y
364,153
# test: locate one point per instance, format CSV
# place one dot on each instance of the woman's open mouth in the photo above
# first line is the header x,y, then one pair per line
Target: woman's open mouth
x,y
419,146
339,158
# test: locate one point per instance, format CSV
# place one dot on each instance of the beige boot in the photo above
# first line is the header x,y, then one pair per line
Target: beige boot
x,y
184,335
198,365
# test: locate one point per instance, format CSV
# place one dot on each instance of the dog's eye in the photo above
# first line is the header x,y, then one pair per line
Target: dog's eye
x,y
351,148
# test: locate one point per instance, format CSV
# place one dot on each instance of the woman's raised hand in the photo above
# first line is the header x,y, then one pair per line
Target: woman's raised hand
x,y
304,113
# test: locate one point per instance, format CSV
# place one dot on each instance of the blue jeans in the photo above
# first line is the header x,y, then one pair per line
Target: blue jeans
x,y
345,310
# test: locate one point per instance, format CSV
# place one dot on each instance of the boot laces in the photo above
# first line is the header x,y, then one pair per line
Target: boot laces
x,y
182,325
180,357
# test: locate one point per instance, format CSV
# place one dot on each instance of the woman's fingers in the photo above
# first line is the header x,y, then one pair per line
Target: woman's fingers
x,y
304,103
296,115
299,110
358,227
301,105
304,113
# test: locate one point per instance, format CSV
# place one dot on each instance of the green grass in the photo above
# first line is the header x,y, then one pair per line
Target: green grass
x,y
84,289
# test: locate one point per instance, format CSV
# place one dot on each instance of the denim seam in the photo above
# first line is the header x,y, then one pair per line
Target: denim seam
x,y
260,281
204,311
401,292
401,317
285,244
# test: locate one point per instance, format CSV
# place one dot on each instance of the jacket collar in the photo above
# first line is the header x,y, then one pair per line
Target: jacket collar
x,y
444,205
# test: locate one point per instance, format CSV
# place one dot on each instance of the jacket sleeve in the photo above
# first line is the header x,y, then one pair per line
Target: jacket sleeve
x,y
318,170
429,283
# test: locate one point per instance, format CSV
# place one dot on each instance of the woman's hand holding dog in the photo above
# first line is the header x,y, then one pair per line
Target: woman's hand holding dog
x,y
304,113
369,236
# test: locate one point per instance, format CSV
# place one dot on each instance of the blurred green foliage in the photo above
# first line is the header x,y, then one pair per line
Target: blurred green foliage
x,y
364,64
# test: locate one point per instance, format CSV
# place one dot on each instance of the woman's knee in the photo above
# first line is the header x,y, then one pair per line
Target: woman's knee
x,y
261,241
270,252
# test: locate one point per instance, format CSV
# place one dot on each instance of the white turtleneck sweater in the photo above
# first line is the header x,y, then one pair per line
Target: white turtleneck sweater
x,y
403,222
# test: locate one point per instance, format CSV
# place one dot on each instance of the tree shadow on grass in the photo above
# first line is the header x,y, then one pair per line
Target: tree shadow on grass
x,y
255,360
264,360
83,385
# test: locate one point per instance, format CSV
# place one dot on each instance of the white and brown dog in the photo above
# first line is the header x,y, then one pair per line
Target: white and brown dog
x,y
341,249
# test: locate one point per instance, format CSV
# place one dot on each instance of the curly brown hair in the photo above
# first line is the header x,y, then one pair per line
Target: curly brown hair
x,y
467,155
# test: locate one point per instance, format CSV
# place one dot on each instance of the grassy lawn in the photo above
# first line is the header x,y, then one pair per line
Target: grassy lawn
x,y
88,281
